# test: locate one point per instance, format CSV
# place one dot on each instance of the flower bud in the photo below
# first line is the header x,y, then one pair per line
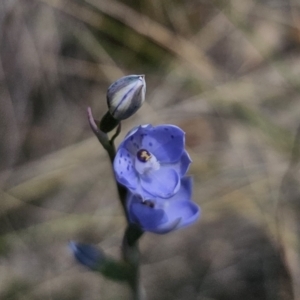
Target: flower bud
x,y
96,260
125,96
87,255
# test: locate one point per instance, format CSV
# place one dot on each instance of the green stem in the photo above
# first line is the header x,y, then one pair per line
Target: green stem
x,y
131,254
108,123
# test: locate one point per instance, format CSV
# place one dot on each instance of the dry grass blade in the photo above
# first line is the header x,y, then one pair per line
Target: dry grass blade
x,y
227,73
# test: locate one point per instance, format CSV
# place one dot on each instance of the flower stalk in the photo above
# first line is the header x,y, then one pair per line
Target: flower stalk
x,y
131,255
108,145
130,249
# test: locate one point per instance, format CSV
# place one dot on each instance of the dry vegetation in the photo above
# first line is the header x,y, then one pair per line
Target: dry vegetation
x,y
227,72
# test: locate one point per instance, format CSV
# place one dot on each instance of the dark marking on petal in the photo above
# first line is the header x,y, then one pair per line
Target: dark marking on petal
x,y
150,144
127,167
149,203
172,136
119,161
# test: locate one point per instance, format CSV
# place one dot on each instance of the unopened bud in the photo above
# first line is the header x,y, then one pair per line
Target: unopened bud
x,y
125,96
87,255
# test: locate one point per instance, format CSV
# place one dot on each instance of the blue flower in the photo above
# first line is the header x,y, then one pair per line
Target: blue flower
x,y
160,215
151,161
87,255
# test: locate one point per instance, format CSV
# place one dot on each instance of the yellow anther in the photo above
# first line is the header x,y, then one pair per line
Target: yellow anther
x,y
145,155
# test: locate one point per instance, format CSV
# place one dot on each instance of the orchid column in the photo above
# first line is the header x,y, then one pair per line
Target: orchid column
x,y
150,169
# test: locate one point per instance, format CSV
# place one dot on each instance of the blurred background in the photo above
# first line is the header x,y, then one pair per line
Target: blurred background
x,y
227,72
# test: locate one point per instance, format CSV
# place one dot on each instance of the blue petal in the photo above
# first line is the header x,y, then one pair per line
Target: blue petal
x,y
188,212
185,191
124,169
183,164
133,140
163,183
166,142
179,215
147,217
135,129
185,161
165,227
167,214
87,255
193,217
